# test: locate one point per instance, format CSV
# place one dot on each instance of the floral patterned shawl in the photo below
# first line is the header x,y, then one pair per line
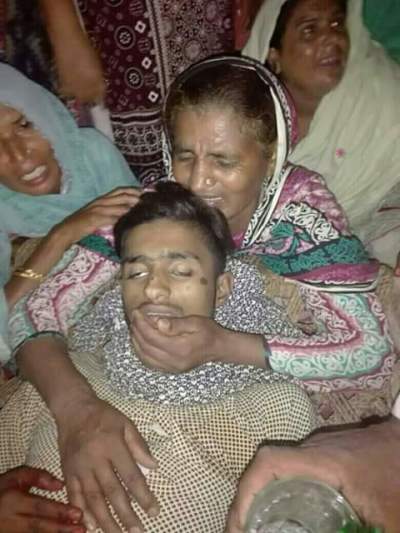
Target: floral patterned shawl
x,y
298,228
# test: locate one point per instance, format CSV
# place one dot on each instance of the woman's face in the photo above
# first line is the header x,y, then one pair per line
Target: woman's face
x,y
27,162
314,48
216,158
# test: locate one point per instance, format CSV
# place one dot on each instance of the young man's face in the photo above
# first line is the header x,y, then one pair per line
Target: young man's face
x,y
168,270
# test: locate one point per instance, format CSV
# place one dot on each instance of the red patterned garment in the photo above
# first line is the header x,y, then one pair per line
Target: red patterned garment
x,y
143,45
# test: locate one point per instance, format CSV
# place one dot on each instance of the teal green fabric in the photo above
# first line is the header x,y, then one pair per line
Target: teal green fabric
x,y
91,166
99,244
382,18
298,259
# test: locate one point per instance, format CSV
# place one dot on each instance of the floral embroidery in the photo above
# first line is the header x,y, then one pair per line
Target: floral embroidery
x,y
351,350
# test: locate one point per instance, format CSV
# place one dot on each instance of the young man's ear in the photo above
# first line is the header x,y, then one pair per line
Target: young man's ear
x,y
274,61
224,288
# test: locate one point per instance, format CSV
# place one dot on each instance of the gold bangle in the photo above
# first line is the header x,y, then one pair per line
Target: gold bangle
x,y
28,273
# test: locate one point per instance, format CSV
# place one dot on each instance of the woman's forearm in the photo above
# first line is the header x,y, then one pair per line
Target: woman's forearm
x,y
78,66
43,259
44,362
242,349
61,20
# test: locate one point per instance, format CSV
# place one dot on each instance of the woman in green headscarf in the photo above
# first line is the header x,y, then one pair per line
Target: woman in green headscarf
x,y
50,168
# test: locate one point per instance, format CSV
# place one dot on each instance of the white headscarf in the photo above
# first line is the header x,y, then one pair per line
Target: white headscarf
x,y
354,137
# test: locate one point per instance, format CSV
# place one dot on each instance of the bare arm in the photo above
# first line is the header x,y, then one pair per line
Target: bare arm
x,y
61,19
95,440
46,255
83,78
54,361
103,211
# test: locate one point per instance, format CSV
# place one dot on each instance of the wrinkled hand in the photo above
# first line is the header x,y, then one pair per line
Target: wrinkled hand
x,y
79,71
21,512
176,344
364,464
98,447
104,211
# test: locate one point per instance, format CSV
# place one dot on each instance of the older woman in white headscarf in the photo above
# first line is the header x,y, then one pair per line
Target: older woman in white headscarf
x,y
349,100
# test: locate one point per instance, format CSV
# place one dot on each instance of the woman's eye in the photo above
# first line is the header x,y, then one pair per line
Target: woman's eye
x,y
338,24
225,164
307,31
25,124
182,158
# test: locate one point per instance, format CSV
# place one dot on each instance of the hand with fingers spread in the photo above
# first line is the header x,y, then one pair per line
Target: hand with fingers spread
x,y
103,211
178,344
21,512
364,464
98,448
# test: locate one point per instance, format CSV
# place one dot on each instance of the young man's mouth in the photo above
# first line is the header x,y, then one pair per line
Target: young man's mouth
x,y
161,311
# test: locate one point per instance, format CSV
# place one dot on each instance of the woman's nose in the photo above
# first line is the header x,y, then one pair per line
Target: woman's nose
x,y
330,35
201,177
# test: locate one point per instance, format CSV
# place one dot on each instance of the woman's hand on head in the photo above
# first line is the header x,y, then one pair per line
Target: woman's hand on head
x,y
340,459
22,512
99,448
102,212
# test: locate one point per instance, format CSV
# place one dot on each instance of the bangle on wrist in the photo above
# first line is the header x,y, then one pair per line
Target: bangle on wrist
x,y
28,273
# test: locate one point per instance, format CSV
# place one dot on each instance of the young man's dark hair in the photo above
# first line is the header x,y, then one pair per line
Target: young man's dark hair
x,y
171,201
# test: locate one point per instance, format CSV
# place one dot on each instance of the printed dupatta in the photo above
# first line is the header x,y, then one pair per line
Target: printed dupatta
x,y
298,228
298,239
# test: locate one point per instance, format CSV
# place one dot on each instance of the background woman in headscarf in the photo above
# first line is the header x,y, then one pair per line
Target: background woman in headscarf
x,y
382,20
230,127
346,92
49,168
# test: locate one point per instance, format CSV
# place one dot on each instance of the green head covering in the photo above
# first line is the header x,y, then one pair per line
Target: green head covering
x,y
91,167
